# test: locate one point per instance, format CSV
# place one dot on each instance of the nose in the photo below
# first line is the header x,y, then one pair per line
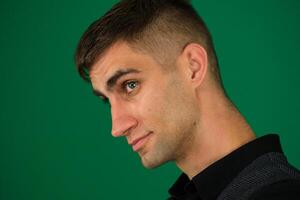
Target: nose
x,y
122,120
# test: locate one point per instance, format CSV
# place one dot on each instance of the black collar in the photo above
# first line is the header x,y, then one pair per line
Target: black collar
x,y
209,183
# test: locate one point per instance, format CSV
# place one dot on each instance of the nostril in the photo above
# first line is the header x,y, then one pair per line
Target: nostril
x,y
117,133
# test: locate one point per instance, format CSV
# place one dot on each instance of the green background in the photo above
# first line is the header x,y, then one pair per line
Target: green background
x,y
55,140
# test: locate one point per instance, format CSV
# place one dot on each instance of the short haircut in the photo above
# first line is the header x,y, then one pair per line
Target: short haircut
x,y
161,28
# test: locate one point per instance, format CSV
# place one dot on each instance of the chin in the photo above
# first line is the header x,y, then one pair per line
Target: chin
x,y
151,163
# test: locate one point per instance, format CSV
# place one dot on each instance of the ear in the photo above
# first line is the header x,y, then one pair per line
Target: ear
x,y
196,63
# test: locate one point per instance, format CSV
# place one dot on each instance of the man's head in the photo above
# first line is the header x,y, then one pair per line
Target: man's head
x,y
149,59
161,28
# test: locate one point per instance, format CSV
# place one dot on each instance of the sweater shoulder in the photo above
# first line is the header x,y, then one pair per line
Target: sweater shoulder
x,y
282,190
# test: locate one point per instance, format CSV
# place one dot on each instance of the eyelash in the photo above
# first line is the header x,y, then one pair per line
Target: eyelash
x,y
105,100
124,89
126,83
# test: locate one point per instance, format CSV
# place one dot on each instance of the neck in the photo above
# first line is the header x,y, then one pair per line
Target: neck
x,y
220,130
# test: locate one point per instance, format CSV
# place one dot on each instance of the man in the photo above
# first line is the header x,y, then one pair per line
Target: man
x,y
154,62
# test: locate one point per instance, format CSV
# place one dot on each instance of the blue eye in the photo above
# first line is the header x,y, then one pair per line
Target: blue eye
x,y
130,85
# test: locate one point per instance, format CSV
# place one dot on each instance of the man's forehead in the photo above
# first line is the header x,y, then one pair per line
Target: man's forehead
x,y
97,71
111,56
106,72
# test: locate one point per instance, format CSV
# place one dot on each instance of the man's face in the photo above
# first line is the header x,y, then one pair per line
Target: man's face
x,y
154,109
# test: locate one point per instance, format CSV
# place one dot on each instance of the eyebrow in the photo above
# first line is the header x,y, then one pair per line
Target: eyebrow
x,y
111,82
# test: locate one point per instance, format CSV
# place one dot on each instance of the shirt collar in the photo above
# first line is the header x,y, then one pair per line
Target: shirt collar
x,y
211,181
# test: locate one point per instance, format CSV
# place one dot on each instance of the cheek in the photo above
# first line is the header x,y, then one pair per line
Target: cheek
x,y
152,109
163,108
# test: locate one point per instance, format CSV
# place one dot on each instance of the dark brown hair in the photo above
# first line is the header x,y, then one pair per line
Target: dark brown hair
x,y
161,28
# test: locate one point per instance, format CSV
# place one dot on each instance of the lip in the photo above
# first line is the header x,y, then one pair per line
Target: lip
x,y
139,142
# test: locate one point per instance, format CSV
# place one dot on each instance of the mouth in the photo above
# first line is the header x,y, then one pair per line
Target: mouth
x,y
138,143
